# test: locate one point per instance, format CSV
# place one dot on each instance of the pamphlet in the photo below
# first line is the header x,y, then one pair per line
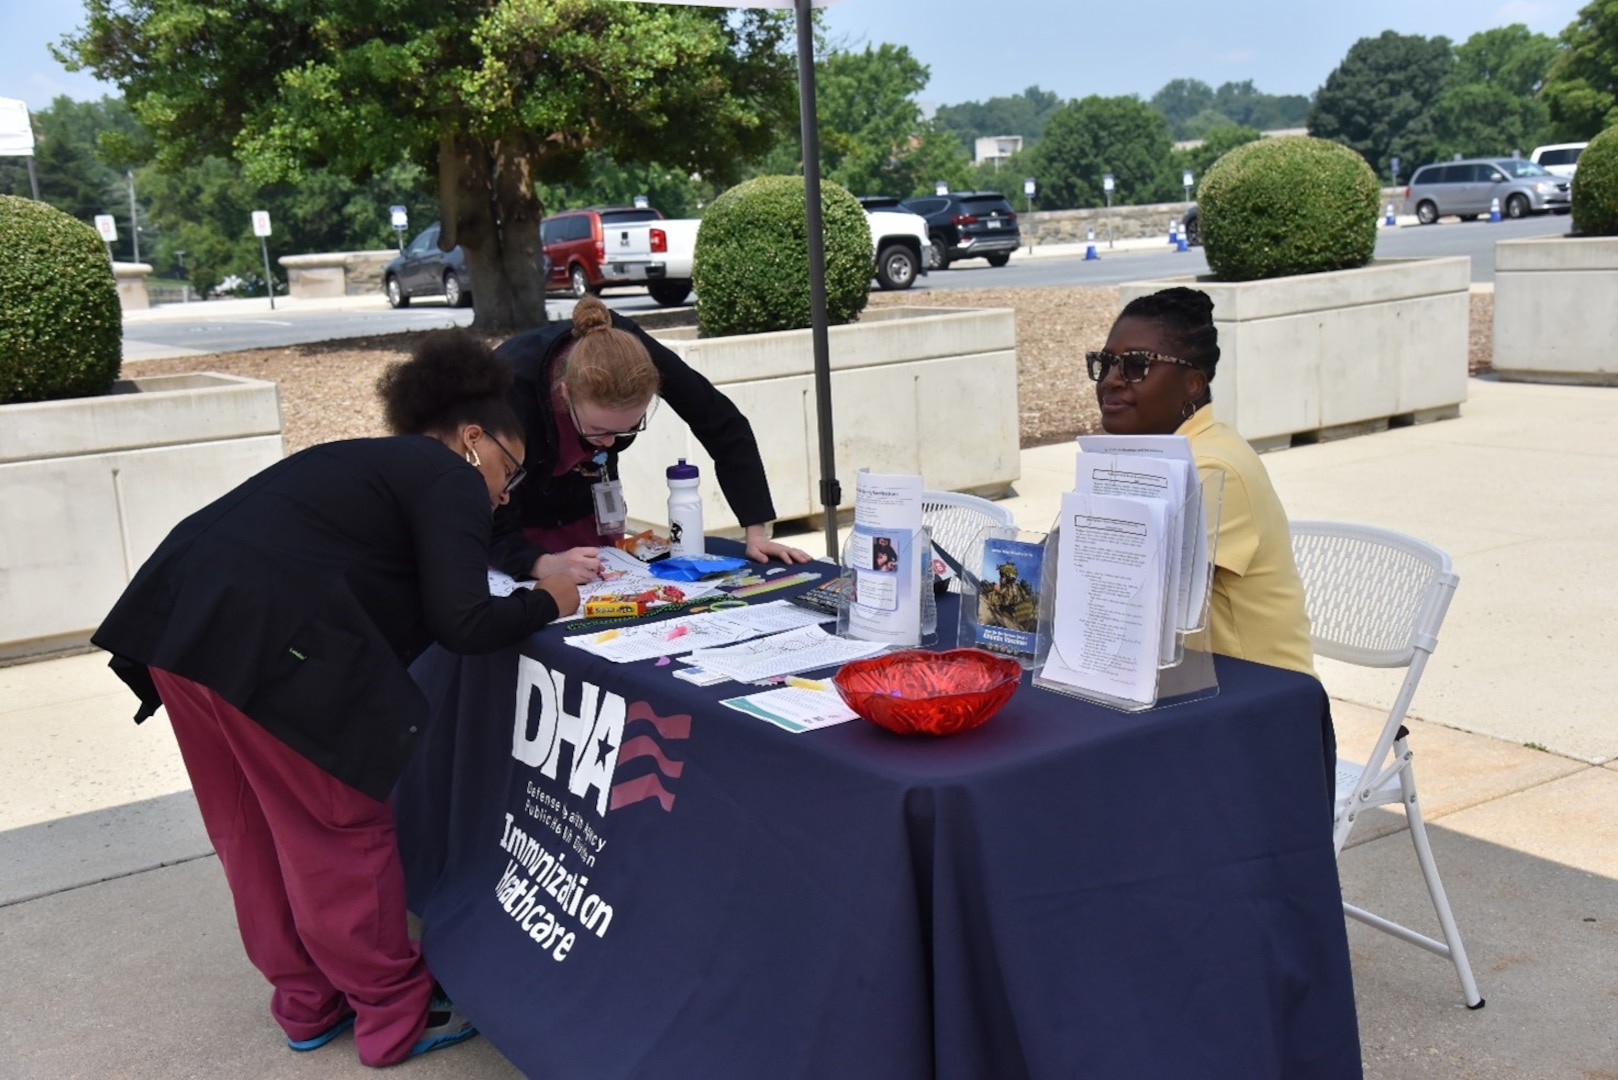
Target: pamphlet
x,y
885,602
1008,597
795,709
1111,577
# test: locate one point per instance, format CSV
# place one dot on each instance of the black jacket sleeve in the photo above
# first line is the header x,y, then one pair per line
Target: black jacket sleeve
x,y
451,522
721,428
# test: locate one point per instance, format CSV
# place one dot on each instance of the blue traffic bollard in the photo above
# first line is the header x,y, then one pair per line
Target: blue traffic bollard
x,y
1180,243
1494,210
1090,248
1174,232
1389,221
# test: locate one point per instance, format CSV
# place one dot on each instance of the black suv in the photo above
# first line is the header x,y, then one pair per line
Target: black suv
x,y
968,225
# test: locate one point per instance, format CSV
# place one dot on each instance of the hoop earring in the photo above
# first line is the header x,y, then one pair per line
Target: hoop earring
x,y
1189,411
473,460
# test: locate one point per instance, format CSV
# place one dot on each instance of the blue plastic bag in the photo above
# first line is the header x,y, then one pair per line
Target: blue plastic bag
x,y
686,568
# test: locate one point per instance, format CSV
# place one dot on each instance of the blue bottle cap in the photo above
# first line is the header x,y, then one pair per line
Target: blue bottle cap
x,y
682,471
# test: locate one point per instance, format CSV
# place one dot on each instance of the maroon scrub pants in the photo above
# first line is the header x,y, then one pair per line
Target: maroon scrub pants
x,y
314,871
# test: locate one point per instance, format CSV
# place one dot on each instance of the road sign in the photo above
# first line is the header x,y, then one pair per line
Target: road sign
x,y
107,227
1028,187
1186,179
642,202
400,217
261,223
1106,183
941,188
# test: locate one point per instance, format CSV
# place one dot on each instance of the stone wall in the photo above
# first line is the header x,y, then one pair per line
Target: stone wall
x,y
1126,223
336,273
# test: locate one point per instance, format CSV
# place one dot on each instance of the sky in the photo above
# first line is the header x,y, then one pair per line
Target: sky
x,y
978,49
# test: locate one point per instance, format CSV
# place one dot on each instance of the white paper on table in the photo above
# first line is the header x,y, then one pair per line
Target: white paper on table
x,y
796,709
1195,523
503,584
885,605
621,572
647,641
804,649
1146,476
1110,584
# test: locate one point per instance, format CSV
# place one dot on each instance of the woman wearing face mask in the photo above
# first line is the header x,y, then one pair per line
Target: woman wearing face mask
x,y
276,625
1153,378
583,391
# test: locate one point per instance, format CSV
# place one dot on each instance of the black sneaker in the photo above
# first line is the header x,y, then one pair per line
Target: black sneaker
x,y
445,1027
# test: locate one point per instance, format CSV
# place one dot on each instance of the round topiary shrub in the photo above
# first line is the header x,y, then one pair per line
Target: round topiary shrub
x,y
1595,187
750,269
61,329
1288,205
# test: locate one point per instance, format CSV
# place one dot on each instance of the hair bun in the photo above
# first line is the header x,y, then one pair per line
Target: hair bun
x,y
589,315
1193,302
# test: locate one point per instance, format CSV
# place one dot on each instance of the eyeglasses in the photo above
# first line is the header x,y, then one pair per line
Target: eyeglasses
x,y
1132,366
636,430
516,477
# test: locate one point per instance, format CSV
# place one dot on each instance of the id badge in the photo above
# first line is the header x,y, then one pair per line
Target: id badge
x,y
611,512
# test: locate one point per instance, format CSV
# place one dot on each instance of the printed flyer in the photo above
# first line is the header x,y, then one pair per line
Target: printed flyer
x,y
1008,597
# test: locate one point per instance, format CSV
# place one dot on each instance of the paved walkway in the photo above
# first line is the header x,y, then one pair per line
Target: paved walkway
x,y
120,952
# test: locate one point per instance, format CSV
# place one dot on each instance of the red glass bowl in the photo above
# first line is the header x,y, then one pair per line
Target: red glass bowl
x,y
918,692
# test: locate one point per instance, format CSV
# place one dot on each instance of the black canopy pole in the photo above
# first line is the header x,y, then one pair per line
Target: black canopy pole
x,y
831,493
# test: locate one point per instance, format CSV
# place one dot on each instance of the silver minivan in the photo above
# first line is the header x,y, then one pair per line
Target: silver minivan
x,y
1468,189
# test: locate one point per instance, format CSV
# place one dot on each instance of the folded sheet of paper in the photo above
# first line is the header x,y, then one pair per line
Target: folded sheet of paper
x,y
624,575
503,584
806,649
647,641
795,708
1110,589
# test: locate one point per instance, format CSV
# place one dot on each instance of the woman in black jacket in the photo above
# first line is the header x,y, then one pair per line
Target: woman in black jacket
x,y
583,391
276,626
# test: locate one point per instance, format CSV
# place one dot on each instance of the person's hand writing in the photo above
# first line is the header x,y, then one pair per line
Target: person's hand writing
x,y
581,565
760,548
563,591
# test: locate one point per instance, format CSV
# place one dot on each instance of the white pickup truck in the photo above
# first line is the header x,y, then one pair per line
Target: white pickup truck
x,y
659,252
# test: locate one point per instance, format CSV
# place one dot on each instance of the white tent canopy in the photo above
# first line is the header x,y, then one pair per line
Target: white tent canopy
x,y
16,135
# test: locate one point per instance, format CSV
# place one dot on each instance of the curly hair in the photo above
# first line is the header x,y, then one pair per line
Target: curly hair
x,y
1186,315
451,379
607,366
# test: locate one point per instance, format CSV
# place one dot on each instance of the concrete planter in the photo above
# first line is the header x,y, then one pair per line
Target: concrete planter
x,y
131,278
1554,316
1342,353
337,273
92,485
914,390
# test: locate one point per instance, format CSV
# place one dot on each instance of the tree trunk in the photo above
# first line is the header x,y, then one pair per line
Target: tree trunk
x,y
487,206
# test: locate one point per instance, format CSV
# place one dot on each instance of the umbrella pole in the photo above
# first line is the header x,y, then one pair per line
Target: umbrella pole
x,y
830,491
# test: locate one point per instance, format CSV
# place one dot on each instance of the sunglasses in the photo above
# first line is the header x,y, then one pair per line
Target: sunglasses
x,y
636,430
516,477
1132,366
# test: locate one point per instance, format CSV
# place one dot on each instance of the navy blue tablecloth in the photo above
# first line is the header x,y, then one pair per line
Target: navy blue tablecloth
x,y
623,878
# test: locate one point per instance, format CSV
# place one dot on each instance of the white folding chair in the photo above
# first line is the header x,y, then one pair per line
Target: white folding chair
x,y
1377,598
956,520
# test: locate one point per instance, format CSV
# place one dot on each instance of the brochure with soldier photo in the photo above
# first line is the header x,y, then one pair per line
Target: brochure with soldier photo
x,y
1008,597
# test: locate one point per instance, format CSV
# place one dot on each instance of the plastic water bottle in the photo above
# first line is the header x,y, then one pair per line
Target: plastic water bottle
x,y
685,511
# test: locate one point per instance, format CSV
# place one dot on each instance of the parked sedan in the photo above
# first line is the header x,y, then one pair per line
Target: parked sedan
x,y
422,270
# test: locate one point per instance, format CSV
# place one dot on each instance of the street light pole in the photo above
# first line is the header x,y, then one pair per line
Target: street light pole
x,y
134,226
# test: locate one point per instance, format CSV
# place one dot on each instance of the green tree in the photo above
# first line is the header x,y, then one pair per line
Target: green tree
x,y
493,98
76,175
1247,106
1218,142
870,124
1022,114
1490,103
1088,138
1581,91
1379,100
1181,99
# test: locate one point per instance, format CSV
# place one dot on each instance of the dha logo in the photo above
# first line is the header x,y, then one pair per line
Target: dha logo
x,y
594,733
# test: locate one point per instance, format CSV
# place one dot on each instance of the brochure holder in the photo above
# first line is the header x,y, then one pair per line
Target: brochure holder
x,y
917,546
1188,675
1000,593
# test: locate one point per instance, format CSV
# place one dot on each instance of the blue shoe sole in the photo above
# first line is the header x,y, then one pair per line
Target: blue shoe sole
x,y
317,1041
438,1042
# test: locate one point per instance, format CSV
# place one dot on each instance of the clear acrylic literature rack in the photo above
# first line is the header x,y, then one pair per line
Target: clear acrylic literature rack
x,y
918,546
1184,671
1001,583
